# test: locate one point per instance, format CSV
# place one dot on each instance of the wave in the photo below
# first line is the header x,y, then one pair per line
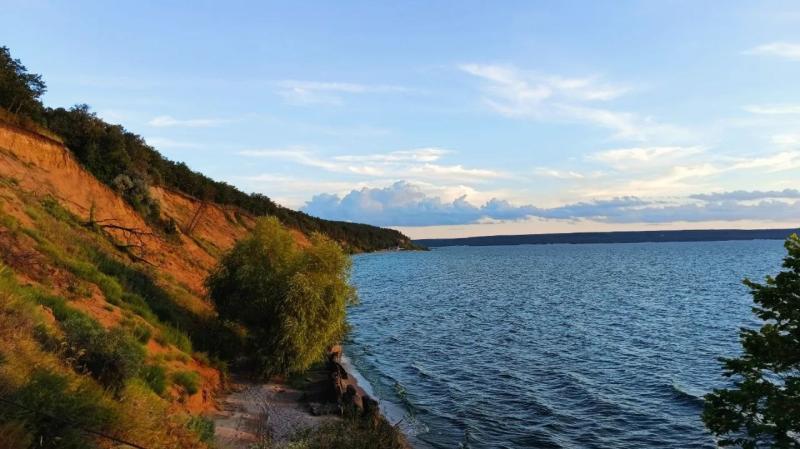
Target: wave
x,y
685,394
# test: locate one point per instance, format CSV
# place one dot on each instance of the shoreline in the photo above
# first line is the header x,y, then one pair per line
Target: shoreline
x,y
354,390
252,411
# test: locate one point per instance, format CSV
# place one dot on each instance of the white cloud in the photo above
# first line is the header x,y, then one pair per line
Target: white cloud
x,y
429,154
521,90
414,164
452,172
786,50
785,160
557,174
303,157
166,121
517,93
323,92
786,140
166,143
637,158
774,109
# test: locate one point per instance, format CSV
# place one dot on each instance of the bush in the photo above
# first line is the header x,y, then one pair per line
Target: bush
x,y
188,380
292,300
111,357
156,378
51,395
203,427
142,333
350,433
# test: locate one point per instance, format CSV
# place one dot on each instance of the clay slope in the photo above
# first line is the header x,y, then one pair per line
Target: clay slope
x,y
45,167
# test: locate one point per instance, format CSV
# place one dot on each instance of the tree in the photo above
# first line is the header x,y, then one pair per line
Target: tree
x,y
291,299
19,90
762,408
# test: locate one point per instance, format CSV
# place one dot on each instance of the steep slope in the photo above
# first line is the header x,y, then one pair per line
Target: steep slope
x,y
72,249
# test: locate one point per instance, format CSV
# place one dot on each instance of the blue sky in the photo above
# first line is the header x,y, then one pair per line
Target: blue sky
x,y
451,118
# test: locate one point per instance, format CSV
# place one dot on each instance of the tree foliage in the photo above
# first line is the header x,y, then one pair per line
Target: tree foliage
x,y
291,299
20,91
762,408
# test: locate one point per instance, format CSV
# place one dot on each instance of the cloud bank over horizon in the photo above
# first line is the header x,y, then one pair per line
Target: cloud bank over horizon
x,y
405,204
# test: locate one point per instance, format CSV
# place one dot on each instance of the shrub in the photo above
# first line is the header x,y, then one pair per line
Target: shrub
x,y
111,357
292,300
350,433
51,395
188,380
203,427
142,333
156,378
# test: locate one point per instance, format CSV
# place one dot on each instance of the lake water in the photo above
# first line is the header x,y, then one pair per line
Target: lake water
x,y
573,346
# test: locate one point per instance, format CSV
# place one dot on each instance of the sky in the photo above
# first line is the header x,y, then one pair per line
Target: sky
x,y
451,118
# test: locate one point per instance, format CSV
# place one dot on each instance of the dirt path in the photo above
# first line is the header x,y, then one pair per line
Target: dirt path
x,y
254,410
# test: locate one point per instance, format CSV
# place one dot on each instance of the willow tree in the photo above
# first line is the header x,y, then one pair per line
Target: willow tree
x,y
762,408
291,298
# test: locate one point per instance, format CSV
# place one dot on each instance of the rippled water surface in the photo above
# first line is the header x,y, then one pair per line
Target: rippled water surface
x,y
596,346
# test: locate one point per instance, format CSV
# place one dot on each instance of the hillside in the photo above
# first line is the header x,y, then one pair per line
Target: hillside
x,y
108,334
80,267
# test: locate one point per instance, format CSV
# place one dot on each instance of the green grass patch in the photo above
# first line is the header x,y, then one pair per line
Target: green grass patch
x,y
189,381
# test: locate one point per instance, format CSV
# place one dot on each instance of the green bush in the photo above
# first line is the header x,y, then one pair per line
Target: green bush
x,y
188,380
156,378
111,357
142,333
292,300
48,401
203,427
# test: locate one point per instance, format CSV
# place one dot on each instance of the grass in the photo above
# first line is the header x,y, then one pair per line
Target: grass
x,y
347,433
33,373
156,378
203,427
189,381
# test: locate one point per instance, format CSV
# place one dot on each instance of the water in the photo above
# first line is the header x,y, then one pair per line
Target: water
x,y
574,346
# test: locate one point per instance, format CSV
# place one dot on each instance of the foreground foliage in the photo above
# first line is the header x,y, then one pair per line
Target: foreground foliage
x,y
292,300
762,409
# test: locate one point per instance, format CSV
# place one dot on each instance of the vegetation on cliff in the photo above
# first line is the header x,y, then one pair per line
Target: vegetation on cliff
x,y
291,299
762,408
86,350
123,160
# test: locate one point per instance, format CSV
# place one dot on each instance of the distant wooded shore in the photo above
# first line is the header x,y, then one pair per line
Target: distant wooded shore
x,y
705,235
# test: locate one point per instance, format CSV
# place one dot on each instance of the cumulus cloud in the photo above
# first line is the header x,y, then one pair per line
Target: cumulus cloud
x,y
786,50
166,121
518,93
404,204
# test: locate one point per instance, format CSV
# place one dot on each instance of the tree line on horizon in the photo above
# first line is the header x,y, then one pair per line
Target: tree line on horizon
x,y
124,161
